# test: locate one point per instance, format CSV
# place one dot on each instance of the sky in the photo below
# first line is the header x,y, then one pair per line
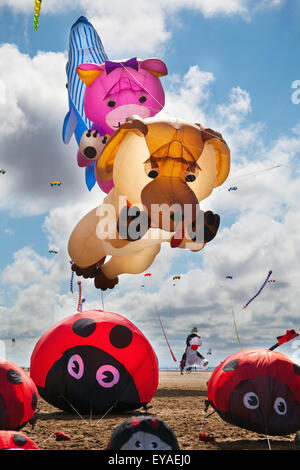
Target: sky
x,y
233,66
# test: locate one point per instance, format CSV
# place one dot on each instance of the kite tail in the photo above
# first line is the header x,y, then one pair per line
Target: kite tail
x,y
174,358
79,309
72,279
259,291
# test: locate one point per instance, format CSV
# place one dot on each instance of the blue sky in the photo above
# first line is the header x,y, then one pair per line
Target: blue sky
x,y
230,63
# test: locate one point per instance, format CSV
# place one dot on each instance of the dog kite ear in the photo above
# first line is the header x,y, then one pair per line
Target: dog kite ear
x,y
105,163
222,152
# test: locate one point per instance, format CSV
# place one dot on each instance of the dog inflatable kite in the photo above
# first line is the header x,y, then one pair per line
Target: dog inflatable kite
x,y
161,170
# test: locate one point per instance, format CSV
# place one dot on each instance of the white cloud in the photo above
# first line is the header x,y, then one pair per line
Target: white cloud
x,y
141,27
32,151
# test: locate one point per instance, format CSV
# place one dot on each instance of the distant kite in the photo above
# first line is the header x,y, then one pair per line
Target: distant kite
x,y
2,171
259,291
175,278
37,10
53,251
55,183
147,274
233,188
229,277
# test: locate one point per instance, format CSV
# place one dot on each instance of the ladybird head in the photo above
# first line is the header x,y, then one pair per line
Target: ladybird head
x,y
143,433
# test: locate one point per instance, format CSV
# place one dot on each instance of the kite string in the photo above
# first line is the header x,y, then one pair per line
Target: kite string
x,y
236,330
143,86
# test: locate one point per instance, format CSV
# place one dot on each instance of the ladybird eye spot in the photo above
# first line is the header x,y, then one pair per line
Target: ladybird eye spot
x,y
251,400
107,376
76,366
111,103
138,444
154,445
280,406
142,99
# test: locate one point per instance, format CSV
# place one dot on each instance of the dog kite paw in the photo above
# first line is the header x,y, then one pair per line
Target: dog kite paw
x,y
211,225
90,271
103,282
132,223
205,230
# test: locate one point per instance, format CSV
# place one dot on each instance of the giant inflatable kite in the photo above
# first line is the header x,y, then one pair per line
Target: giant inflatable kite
x,y
191,356
259,390
143,433
18,397
161,170
103,93
95,361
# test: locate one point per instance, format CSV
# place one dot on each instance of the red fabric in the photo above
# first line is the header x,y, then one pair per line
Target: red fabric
x,y
7,441
139,357
252,363
289,335
17,397
61,436
206,437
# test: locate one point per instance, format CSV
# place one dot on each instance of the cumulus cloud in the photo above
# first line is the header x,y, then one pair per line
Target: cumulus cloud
x,y
31,118
124,26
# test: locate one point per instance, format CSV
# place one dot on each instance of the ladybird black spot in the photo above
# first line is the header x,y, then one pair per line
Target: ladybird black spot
x,y
231,365
296,369
84,327
14,377
120,336
34,400
19,440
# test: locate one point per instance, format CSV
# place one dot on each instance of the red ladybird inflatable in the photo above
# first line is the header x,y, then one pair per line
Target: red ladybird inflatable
x,y
94,361
12,440
259,390
18,397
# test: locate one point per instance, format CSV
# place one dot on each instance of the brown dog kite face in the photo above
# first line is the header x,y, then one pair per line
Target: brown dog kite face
x,y
166,167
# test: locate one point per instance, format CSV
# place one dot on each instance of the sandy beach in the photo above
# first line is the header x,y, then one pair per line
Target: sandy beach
x,y
179,401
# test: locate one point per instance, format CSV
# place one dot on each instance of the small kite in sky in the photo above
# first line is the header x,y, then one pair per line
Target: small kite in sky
x,y
37,10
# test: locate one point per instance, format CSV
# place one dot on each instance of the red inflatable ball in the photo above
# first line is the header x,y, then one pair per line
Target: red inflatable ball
x,y
143,433
12,440
259,390
95,361
18,397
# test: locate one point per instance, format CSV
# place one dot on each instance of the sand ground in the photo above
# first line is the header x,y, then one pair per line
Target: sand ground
x,y
179,401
